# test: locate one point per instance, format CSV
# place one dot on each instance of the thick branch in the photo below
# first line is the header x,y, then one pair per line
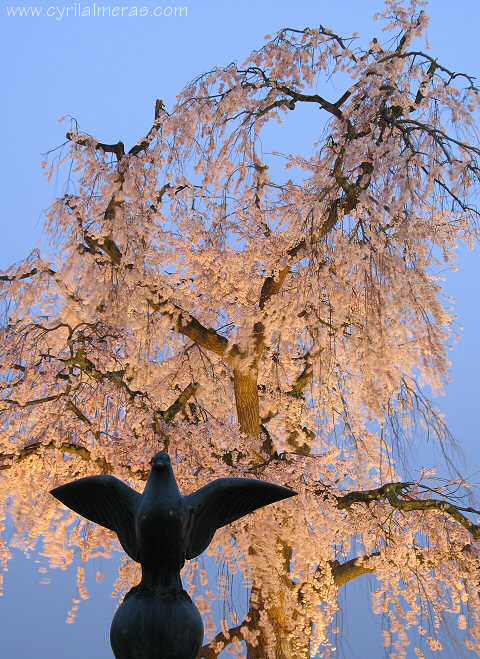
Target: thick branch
x,y
333,108
347,203
33,401
212,649
118,149
303,379
356,567
272,285
180,402
188,325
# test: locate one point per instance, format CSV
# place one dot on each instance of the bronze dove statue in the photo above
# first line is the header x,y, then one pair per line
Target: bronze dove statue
x,y
160,529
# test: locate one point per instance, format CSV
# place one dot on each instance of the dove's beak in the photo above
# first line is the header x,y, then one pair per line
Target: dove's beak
x,y
160,463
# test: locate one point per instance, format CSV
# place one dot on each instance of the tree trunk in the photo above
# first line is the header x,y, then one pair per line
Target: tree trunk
x,y
248,414
246,400
286,647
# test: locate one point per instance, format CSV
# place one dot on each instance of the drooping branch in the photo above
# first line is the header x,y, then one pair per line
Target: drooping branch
x,y
70,448
434,66
26,275
38,448
187,325
392,493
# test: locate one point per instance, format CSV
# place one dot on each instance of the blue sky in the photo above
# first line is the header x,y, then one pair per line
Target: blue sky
x,y
107,72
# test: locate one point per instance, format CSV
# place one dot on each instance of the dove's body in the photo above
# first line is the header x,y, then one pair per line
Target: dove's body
x,y
157,619
160,529
161,520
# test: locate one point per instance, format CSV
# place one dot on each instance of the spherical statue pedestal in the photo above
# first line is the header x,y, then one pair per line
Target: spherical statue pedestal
x,y
160,623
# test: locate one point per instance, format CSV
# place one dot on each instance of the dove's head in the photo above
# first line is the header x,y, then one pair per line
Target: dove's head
x,y
161,460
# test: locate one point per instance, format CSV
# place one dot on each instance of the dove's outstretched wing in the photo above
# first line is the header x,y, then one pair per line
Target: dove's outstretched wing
x,y
107,501
223,501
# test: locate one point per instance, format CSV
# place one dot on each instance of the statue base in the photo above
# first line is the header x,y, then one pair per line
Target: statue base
x,y
160,623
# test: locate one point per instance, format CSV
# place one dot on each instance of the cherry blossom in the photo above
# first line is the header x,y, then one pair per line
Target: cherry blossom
x,y
260,312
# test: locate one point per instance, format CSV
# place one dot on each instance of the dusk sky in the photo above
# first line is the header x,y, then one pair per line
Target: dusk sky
x,y
107,73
